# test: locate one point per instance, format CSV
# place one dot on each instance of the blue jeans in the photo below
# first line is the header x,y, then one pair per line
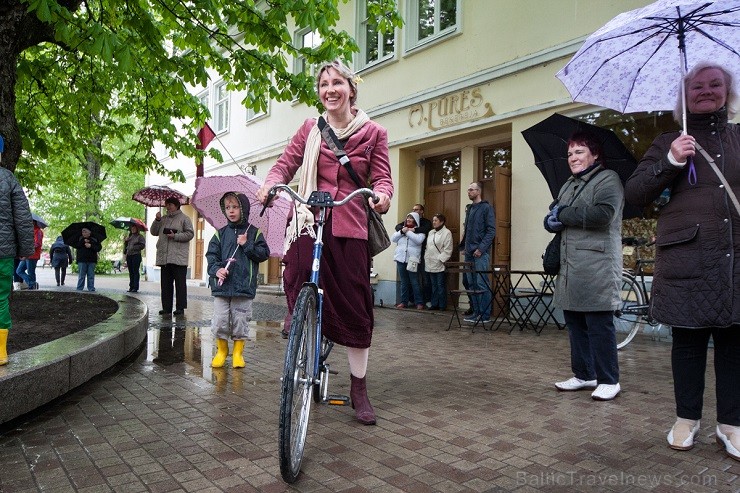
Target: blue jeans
x,y
481,303
439,289
87,270
27,271
593,346
409,285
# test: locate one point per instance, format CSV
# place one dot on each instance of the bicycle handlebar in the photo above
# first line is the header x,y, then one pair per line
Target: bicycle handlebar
x,y
317,198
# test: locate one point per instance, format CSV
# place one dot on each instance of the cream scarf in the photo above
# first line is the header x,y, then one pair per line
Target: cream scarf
x,y
303,218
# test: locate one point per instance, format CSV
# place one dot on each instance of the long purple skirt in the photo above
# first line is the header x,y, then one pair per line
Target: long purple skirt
x,y
345,279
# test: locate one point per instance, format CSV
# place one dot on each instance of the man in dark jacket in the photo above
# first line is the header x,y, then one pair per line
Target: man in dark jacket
x,y
16,240
480,230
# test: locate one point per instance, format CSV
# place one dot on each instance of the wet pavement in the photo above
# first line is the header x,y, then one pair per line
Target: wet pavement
x,y
456,412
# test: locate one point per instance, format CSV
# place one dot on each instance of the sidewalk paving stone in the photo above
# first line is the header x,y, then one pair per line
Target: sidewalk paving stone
x,y
457,412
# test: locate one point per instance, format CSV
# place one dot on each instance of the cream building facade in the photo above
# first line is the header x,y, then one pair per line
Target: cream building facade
x,y
454,88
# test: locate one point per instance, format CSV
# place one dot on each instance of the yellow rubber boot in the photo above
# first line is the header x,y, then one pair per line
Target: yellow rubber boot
x,y
3,347
221,354
237,359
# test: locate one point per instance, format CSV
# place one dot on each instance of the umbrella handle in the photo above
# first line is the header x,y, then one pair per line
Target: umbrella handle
x,y
230,261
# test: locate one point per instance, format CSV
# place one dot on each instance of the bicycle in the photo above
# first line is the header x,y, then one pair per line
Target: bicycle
x,y
305,371
634,310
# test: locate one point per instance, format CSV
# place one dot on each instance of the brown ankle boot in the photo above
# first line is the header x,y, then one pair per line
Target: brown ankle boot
x,y
360,403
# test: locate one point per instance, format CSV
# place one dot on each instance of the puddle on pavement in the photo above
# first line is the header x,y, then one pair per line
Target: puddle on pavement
x,y
187,347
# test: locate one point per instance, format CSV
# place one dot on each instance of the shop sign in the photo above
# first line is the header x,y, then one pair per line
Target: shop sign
x,y
453,109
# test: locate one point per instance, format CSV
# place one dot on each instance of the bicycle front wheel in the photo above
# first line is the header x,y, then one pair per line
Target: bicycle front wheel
x,y
628,318
297,385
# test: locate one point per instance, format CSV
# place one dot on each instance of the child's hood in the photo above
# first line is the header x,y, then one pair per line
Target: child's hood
x,y
243,201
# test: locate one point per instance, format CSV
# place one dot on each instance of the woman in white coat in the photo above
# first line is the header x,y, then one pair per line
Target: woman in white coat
x,y
438,251
408,252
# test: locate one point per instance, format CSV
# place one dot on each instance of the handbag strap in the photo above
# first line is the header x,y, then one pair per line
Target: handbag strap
x,y
338,148
720,176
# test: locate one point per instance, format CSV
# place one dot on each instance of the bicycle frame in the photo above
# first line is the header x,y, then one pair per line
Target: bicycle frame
x,y
301,375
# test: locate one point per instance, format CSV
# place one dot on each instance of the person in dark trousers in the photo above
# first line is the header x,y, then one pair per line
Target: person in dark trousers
x,y
175,230
696,286
425,226
132,247
480,230
61,257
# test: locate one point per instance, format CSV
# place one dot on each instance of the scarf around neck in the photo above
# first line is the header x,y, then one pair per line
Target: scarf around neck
x,y
303,219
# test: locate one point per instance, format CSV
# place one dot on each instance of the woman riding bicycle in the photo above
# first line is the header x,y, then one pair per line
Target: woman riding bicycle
x,y
348,307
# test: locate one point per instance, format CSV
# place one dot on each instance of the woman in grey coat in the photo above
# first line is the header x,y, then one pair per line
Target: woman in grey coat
x,y
588,212
696,286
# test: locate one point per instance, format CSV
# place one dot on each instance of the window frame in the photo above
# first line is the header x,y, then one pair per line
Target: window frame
x,y
363,21
412,26
299,62
252,116
221,108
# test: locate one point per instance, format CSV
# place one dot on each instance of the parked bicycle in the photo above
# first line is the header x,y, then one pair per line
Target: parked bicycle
x,y
634,310
305,371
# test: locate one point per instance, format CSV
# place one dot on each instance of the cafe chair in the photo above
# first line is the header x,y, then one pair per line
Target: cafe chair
x,y
456,272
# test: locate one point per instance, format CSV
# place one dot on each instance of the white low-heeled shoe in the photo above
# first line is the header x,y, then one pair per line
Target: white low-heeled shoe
x,y
575,383
725,441
606,392
682,427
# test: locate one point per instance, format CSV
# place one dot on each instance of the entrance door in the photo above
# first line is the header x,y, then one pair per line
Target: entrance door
x,y
199,253
273,270
442,193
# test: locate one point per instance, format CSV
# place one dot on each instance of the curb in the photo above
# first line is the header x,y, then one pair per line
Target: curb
x,y
40,374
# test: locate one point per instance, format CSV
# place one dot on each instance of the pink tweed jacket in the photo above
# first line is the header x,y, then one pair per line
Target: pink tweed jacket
x,y
367,149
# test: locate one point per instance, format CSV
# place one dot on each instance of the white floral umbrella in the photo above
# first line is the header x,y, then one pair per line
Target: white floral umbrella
x,y
637,60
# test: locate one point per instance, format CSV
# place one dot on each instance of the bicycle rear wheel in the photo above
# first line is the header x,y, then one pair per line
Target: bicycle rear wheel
x,y
297,385
628,317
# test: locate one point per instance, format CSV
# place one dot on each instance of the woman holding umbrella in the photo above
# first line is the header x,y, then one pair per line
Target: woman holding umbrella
x,y
696,285
132,247
348,306
588,213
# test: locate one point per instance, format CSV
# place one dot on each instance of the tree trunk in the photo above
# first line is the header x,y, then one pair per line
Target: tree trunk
x,y
19,30
94,185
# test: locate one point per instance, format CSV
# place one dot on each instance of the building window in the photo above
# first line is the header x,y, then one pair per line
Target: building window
x,y
431,19
221,108
306,38
443,170
254,114
374,45
496,156
205,100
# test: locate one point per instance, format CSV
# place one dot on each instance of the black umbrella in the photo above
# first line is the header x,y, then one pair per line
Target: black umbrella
x,y
548,140
73,232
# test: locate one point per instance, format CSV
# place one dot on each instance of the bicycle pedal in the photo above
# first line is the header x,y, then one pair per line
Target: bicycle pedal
x,y
337,400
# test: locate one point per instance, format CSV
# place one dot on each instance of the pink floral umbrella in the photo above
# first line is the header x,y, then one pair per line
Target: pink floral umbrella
x,y
155,195
207,200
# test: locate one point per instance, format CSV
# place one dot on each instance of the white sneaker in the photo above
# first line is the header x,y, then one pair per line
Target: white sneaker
x,y
606,392
682,434
16,286
574,383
